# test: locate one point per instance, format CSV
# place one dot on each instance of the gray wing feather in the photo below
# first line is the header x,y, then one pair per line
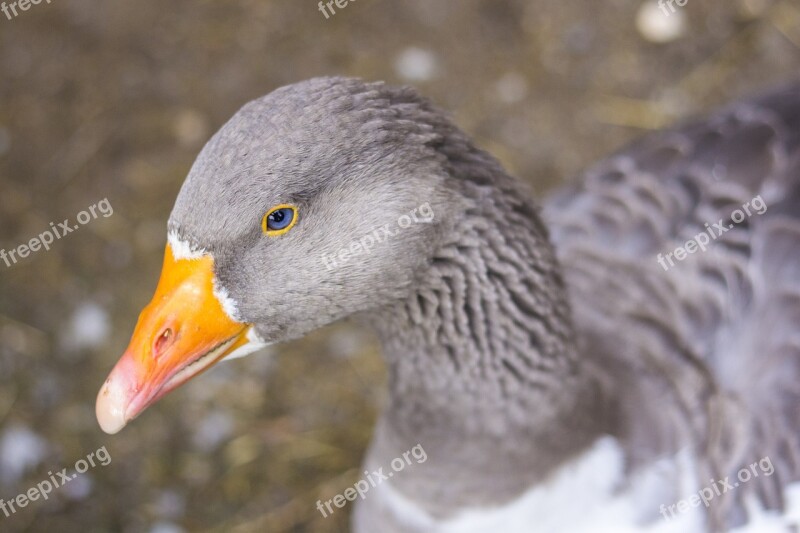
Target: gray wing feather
x,y
708,351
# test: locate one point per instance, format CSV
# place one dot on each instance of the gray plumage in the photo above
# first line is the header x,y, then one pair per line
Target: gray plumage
x,y
508,355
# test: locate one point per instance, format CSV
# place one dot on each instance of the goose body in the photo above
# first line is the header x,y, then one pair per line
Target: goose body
x,y
559,376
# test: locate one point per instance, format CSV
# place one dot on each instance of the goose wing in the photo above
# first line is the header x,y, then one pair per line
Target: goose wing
x,y
710,353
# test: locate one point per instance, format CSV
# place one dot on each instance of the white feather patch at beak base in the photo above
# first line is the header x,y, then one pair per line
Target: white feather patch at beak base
x,y
185,250
254,344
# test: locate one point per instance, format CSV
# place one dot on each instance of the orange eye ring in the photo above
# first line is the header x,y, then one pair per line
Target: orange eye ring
x,y
279,220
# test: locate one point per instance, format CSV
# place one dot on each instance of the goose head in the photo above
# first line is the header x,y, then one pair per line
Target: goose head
x,y
321,200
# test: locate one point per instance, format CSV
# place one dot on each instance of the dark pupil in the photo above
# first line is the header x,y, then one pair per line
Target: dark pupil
x,y
279,219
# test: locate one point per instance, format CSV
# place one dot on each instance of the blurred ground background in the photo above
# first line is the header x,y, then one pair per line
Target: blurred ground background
x,y
114,100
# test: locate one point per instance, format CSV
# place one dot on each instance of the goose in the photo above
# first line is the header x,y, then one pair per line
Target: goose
x,y
563,367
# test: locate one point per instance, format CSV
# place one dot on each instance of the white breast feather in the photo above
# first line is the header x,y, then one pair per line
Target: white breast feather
x,y
590,495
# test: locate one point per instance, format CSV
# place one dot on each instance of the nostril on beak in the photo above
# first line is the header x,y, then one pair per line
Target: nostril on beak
x,y
163,342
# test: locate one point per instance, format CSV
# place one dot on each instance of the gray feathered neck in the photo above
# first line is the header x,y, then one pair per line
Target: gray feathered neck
x,y
482,353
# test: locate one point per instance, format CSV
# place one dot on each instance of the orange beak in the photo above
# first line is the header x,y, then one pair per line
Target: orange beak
x,y
182,332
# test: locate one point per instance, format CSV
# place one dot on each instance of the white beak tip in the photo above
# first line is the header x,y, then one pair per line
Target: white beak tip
x,y
110,409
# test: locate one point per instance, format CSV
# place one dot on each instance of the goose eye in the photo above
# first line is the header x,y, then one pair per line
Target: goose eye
x,y
279,220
